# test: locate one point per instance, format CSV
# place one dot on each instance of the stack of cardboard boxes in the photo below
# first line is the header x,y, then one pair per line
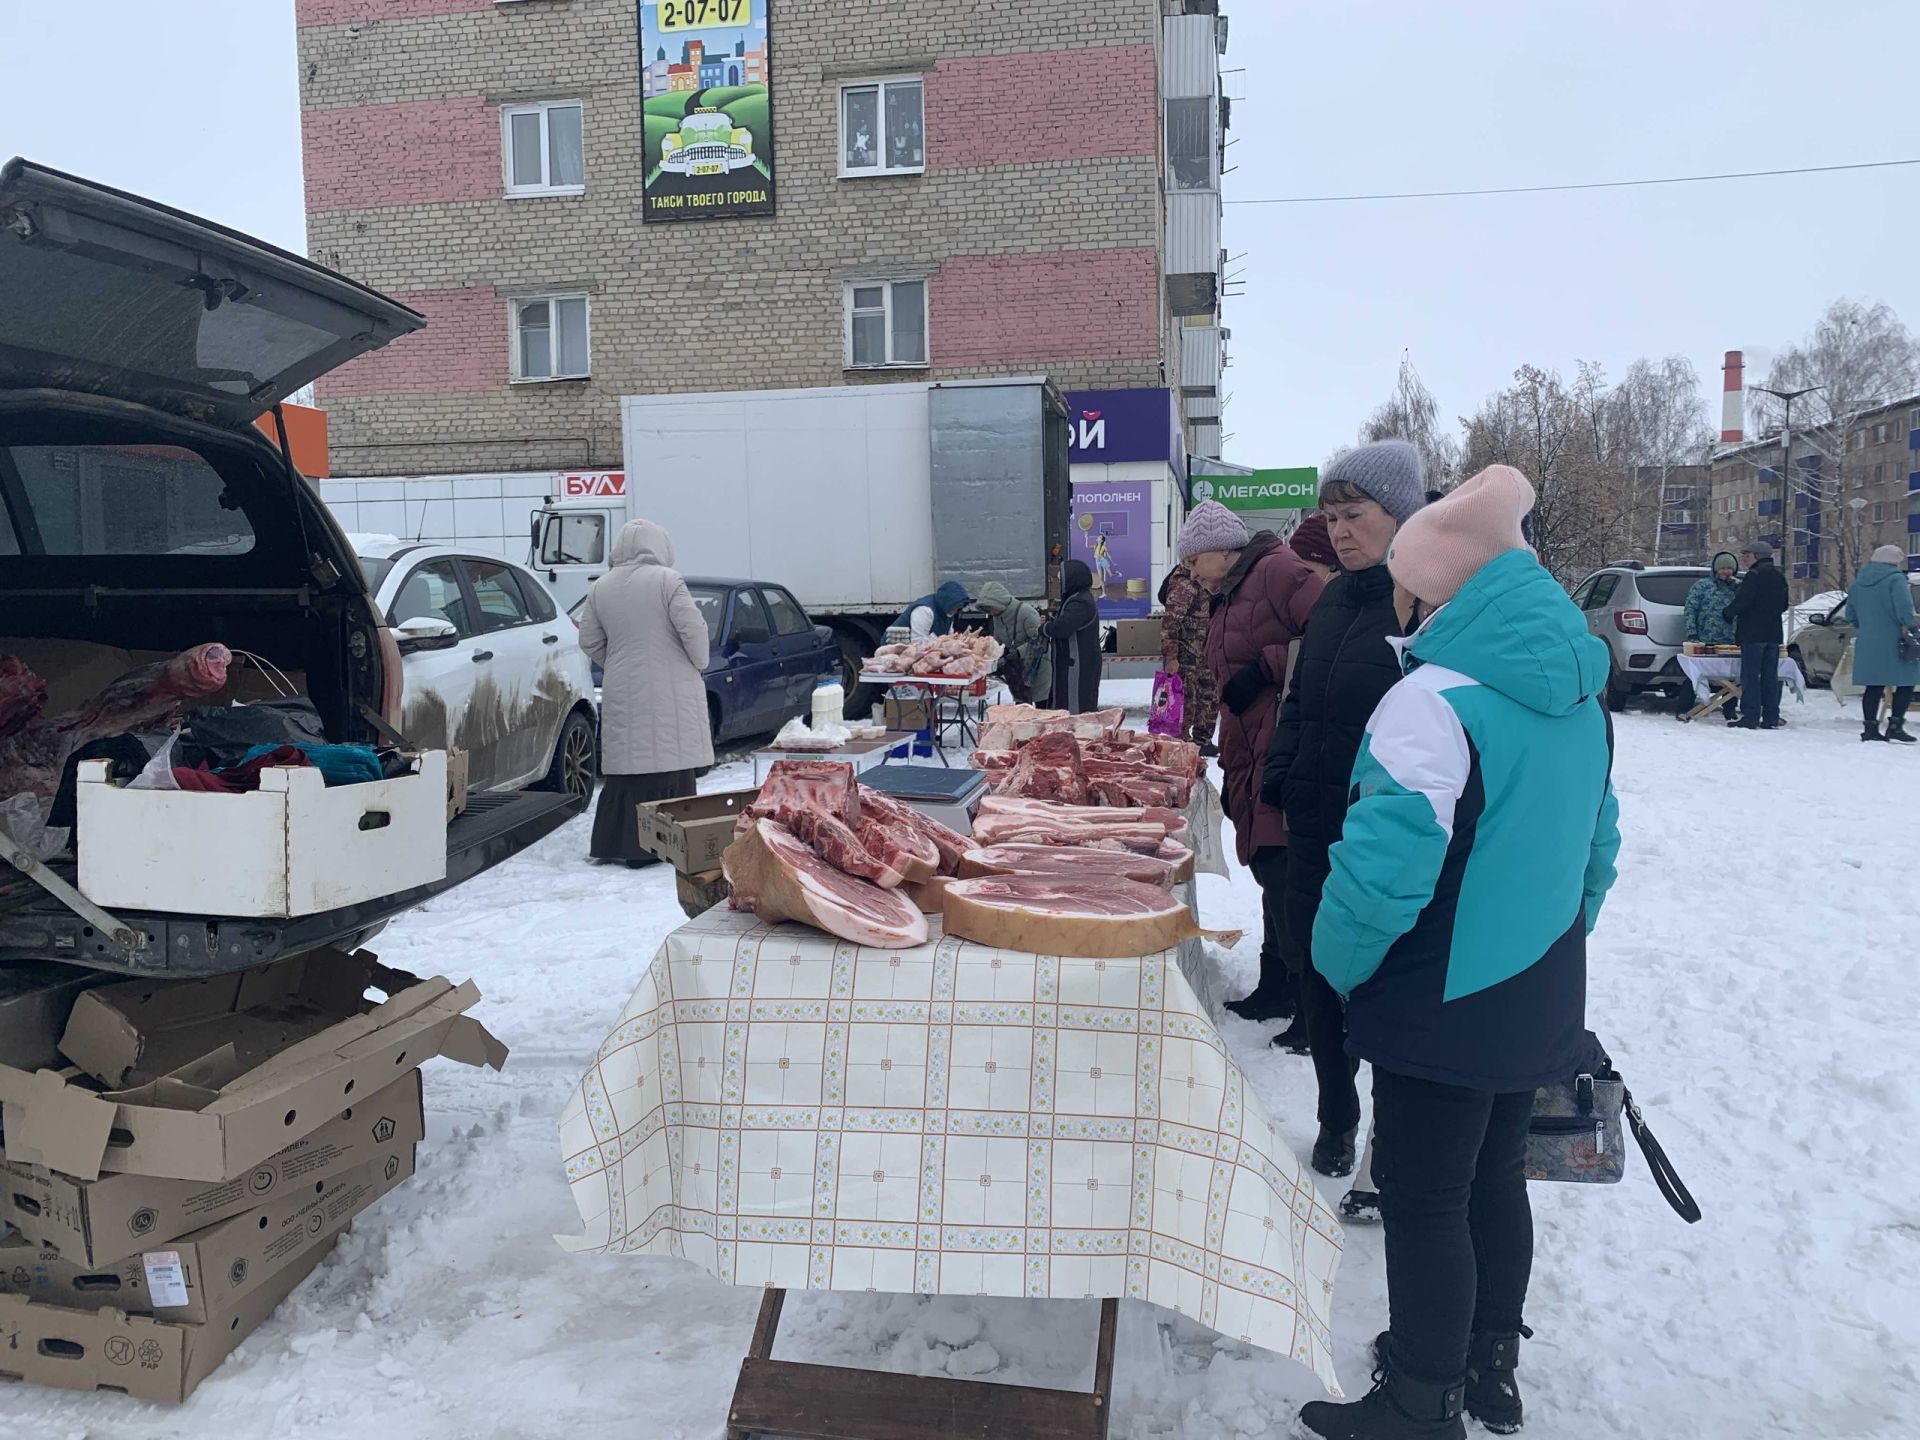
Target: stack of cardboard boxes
x,y
177,1156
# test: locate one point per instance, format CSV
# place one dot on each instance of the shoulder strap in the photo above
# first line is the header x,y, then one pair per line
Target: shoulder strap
x,y
1671,1186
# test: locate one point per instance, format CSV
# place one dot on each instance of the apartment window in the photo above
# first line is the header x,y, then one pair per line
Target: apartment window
x,y
1190,144
1859,477
550,338
1879,513
1859,439
544,152
886,324
883,128
1880,434
1879,474
1913,420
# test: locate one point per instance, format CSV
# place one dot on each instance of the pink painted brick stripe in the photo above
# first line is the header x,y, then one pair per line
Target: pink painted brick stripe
x,y
463,349
418,152
1043,105
1031,309
346,12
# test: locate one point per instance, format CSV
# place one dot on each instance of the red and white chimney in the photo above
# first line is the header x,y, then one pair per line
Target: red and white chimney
x,y
1733,399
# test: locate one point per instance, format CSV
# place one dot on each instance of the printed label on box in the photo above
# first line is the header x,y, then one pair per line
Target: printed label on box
x,y
166,1278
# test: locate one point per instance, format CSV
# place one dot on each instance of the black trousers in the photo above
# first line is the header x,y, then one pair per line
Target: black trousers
x,y
1453,1193
1326,1014
1759,685
1278,980
1871,697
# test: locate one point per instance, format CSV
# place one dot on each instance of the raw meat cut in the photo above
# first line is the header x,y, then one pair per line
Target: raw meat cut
x,y
1006,820
1066,862
778,877
902,847
32,760
1048,767
963,656
1043,915
824,785
22,695
1006,727
949,845
835,843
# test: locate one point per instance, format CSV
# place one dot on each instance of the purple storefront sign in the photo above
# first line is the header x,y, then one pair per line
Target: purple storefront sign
x,y
1113,532
1117,427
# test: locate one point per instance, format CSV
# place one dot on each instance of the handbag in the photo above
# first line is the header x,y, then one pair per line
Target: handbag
x,y
1169,713
1909,646
1576,1134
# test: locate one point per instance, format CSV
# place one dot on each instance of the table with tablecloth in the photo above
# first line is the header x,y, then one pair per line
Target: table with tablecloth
x,y
1716,679
787,1109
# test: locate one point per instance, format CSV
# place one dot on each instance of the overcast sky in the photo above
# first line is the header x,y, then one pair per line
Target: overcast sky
x,y
195,102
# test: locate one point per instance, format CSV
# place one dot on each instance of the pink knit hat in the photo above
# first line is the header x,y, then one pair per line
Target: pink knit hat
x,y
1443,546
1211,526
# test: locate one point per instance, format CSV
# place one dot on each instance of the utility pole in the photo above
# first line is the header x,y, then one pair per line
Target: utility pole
x,y
1787,397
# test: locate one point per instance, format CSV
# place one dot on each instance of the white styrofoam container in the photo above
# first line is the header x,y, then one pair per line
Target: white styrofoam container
x,y
293,847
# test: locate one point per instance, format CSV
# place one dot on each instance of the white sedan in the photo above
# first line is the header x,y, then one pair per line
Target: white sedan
x,y
491,665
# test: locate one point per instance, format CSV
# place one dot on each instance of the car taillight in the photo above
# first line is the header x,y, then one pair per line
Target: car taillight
x,y
392,678
1631,622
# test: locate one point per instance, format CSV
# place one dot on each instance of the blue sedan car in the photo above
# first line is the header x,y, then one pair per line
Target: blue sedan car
x,y
766,659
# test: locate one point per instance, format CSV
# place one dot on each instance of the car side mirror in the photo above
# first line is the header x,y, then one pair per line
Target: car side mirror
x,y
426,632
1820,620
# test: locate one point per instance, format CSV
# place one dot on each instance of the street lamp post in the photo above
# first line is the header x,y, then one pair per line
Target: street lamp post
x,y
1787,397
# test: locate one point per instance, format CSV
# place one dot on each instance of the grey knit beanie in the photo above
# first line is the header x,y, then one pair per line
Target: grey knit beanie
x,y
1388,470
1212,526
1760,550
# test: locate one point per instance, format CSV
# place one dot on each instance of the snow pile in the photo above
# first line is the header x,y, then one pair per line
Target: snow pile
x,y
1753,977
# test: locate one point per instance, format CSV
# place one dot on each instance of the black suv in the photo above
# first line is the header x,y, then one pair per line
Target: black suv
x,y
143,512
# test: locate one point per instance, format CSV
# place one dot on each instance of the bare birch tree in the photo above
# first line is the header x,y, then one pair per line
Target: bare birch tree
x,y
1412,414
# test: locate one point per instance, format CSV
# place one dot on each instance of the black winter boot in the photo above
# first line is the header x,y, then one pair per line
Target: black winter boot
x,y
1492,1392
1333,1152
1397,1408
1493,1395
1897,730
1294,1038
1360,1207
1870,732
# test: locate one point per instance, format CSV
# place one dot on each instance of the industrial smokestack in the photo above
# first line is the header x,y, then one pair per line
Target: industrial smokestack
x,y
1733,399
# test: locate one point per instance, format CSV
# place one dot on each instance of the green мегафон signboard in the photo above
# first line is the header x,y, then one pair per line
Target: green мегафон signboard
x,y
1295,489
705,73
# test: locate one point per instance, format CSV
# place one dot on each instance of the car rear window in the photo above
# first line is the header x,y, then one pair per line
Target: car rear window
x,y
116,500
1667,589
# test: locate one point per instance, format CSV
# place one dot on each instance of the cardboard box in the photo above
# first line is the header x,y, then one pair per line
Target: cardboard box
x,y
692,835
908,714
201,1277
94,1223
36,996
700,893
295,846
218,1118
1137,637
106,1349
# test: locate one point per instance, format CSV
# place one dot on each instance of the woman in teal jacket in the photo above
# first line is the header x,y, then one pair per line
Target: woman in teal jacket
x,y
1472,866
1880,605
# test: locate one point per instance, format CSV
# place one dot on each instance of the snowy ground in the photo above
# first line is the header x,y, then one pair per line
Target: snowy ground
x,y
1753,976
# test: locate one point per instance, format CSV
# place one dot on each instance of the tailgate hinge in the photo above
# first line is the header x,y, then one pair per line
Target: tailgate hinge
x,y
116,931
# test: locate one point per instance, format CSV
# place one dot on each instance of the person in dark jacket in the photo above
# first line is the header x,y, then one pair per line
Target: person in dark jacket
x,y
1074,630
1473,864
1263,593
1346,665
1880,605
1759,631
933,614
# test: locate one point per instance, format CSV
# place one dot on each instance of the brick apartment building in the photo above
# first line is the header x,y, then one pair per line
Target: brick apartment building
x,y
1846,505
964,188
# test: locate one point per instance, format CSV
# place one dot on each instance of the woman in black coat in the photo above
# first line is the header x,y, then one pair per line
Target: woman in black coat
x,y
1345,667
1074,630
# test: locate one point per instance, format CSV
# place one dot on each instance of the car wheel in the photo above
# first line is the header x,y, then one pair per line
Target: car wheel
x,y
1618,693
860,698
576,759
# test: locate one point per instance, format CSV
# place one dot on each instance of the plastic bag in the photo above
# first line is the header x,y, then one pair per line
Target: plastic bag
x,y
22,817
159,772
1169,714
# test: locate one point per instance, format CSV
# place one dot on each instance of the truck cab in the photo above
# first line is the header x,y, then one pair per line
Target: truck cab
x,y
572,534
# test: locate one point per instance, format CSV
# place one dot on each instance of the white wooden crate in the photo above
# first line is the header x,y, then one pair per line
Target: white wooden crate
x,y
293,847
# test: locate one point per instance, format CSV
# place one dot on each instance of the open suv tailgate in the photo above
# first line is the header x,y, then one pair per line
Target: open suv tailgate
x,y
493,827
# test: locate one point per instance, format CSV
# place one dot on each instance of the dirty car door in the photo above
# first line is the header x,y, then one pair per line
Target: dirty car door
x,y
753,674
518,698
438,684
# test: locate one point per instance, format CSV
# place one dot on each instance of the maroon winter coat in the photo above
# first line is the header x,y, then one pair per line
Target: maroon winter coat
x,y
1266,599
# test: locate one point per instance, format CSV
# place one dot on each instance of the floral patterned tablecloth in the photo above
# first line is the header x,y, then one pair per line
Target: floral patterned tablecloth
x,y
784,1108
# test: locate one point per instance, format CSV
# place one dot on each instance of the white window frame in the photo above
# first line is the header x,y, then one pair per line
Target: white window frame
x,y
542,109
519,375
878,84
886,286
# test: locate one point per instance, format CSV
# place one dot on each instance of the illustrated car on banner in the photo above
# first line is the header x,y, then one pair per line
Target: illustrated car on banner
x,y
707,143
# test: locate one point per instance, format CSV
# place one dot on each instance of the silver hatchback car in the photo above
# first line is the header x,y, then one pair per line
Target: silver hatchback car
x,y
1641,612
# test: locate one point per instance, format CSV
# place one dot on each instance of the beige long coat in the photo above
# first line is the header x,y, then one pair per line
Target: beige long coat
x,y
641,625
